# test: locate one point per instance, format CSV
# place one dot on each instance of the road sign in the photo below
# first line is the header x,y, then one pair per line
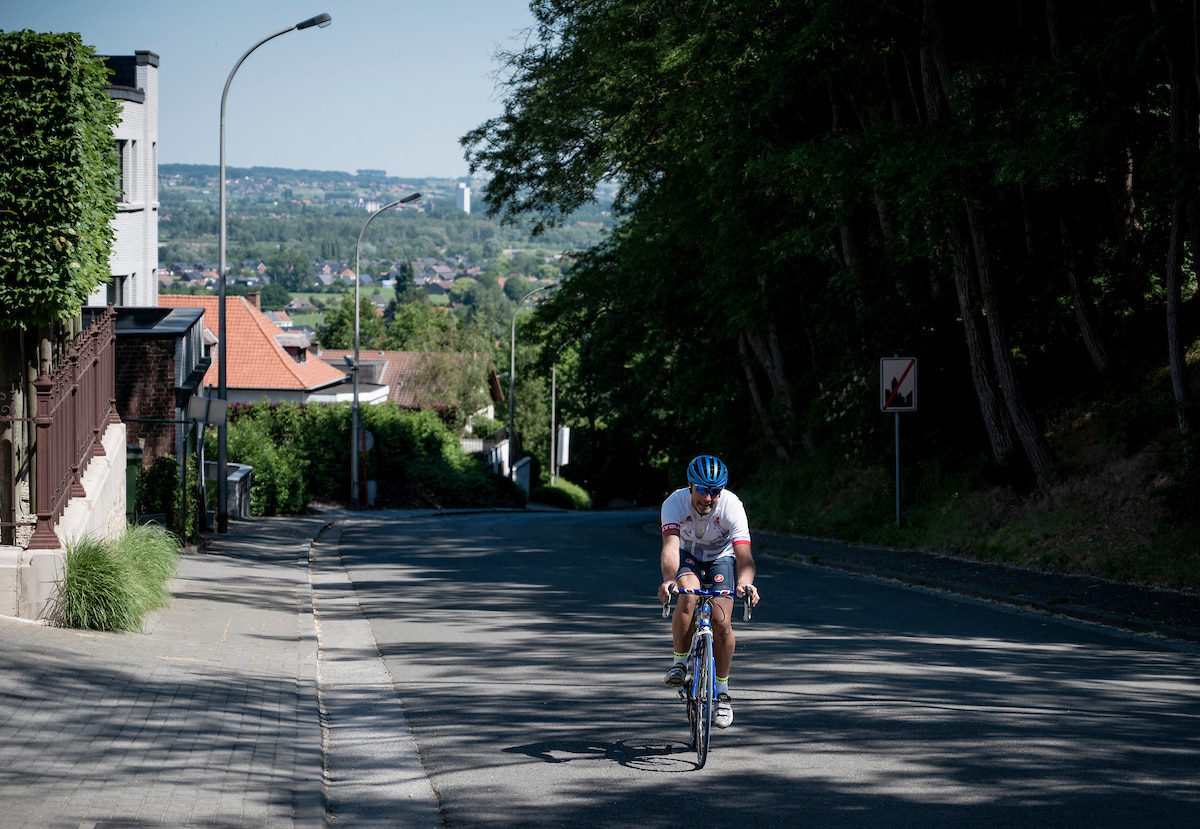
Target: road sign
x,y
210,411
898,384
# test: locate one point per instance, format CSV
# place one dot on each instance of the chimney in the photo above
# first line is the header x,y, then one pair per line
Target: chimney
x,y
255,298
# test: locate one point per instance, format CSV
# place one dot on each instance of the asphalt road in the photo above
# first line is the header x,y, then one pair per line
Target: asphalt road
x,y
528,650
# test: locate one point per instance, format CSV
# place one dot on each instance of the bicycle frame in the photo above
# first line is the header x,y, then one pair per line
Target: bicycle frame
x,y
699,691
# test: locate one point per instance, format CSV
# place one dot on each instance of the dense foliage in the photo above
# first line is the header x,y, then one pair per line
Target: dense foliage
x,y
303,452
1006,191
58,176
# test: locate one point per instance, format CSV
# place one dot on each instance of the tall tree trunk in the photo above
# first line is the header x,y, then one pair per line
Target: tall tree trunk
x,y
756,398
934,74
770,358
1118,184
1085,317
995,418
1176,347
1181,138
1037,451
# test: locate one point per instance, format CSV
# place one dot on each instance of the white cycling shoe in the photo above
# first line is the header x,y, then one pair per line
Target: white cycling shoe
x,y
724,714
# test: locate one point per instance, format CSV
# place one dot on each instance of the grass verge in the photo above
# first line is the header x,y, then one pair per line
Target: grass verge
x,y
1109,517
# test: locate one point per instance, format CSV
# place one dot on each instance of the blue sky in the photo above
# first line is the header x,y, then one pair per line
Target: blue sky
x,y
390,84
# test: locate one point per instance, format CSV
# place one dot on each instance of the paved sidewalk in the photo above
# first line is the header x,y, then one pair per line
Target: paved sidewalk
x,y
209,719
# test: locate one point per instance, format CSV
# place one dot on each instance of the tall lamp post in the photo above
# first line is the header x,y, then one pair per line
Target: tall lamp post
x,y
322,20
512,371
355,501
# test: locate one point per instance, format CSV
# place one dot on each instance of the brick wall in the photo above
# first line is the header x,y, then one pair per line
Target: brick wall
x,y
146,391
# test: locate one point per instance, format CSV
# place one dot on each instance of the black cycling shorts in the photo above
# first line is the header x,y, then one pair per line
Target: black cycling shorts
x,y
716,575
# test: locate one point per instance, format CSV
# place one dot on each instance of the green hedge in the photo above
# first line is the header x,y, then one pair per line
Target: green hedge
x,y
303,452
58,182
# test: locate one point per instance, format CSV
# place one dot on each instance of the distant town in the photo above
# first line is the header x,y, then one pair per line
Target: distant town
x,y
299,229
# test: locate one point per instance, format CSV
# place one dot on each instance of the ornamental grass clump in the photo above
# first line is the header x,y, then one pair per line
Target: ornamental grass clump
x,y
111,586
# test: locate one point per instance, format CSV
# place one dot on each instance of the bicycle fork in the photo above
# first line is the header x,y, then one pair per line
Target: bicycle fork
x,y
703,631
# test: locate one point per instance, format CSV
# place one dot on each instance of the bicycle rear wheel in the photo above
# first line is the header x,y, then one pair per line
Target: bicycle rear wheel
x,y
702,691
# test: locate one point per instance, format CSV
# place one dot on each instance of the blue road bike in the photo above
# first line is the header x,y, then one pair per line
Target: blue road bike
x,y
699,689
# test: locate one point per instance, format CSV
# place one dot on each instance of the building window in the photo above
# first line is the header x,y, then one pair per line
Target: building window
x,y
116,290
122,184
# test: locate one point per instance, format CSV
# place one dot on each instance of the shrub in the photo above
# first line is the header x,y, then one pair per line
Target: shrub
x,y
266,437
111,586
156,487
563,494
158,492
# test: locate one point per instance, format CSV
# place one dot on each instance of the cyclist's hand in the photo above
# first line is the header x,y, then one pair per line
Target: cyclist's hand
x,y
665,590
750,592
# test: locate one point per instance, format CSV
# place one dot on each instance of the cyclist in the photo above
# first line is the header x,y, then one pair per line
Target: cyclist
x,y
706,540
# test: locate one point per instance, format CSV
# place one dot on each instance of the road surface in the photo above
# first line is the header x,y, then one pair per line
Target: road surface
x,y
527,651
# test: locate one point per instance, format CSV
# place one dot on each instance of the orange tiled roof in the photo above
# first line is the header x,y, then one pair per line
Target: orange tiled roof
x,y
256,359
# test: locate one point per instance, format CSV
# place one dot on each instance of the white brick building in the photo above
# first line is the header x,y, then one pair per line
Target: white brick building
x,y
134,259
463,197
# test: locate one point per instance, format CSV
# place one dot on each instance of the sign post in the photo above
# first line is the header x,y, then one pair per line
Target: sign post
x,y
898,393
204,411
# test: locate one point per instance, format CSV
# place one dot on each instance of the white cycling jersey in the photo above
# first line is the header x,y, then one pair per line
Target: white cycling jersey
x,y
706,537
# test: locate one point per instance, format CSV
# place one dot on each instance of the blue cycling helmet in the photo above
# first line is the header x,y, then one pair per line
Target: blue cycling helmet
x,y
707,470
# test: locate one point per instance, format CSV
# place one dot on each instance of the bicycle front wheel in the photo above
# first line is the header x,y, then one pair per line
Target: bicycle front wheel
x,y
703,691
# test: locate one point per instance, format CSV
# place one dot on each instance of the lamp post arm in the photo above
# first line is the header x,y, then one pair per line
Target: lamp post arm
x,y
354,419
321,20
224,96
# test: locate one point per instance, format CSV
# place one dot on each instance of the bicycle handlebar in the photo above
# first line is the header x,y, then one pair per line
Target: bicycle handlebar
x,y
747,612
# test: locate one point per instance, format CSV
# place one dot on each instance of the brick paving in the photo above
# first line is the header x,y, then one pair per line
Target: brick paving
x,y
209,718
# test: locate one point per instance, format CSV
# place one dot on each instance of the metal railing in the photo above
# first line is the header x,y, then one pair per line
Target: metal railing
x,y
75,404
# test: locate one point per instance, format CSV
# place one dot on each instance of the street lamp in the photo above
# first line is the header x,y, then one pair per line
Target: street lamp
x,y
512,371
355,502
322,20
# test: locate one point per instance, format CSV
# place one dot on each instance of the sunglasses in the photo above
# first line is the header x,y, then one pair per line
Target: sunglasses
x,y
714,491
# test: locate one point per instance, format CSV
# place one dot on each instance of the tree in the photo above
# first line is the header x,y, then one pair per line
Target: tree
x,y
461,290
338,330
413,326
274,297
290,268
803,188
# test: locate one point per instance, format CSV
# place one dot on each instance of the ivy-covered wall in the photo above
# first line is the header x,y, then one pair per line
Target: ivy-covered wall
x,y
58,176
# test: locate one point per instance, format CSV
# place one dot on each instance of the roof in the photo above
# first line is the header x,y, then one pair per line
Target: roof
x,y
256,360
404,373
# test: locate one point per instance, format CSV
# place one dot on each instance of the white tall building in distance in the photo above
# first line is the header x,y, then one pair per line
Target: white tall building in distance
x,y
463,194
134,258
